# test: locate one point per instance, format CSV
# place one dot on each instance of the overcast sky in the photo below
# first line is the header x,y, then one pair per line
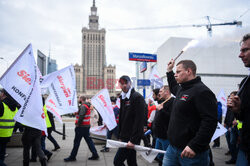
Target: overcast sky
x,y
57,24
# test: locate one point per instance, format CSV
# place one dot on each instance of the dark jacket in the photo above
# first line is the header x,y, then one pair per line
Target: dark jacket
x,y
132,118
51,119
229,118
194,115
161,120
245,117
9,103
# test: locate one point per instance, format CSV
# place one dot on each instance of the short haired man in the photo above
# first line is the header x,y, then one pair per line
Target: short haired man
x,y
193,118
241,105
131,122
161,120
82,130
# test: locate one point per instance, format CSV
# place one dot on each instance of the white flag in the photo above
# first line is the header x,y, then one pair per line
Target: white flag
x,y
62,97
99,130
21,81
101,101
223,99
155,78
220,130
148,154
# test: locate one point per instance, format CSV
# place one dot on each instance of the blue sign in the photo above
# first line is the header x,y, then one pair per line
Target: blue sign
x,y
143,82
143,67
142,57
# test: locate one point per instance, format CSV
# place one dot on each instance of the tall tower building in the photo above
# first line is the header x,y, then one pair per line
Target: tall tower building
x,y
94,75
93,54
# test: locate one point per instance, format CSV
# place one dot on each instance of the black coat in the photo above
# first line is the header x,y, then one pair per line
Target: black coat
x,y
245,117
229,118
194,115
161,120
132,118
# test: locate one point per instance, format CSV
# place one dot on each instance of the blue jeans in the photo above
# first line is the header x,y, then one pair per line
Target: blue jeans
x,y
43,145
242,159
172,157
79,133
233,142
161,144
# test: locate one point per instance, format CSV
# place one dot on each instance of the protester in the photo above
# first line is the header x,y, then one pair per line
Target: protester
x,y
131,122
115,130
219,118
151,112
241,105
156,98
50,129
150,119
193,119
43,138
8,109
82,130
232,132
156,95
32,137
161,121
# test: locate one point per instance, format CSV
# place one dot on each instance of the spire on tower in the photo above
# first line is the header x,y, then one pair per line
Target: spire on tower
x,y
94,3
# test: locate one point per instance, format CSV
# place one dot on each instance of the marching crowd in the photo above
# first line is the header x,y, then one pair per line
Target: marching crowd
x,y
180,119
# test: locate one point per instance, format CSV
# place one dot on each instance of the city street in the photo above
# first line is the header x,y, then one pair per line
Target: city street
x,y
106,159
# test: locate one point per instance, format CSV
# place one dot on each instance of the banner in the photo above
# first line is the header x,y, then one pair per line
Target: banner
x,y
101,102
223,99
62,97
99,130
155,78
148,154
21,81
220,130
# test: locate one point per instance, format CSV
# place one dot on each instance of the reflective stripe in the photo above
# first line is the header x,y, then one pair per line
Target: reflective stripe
x,y
7,120
6,127
86,119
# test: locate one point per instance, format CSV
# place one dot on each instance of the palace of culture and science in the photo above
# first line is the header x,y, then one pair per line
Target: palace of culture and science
x,y
94,75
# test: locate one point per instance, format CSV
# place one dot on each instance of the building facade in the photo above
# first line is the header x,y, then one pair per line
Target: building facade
x,y
52,65
42,62
110,80
79,77
94,57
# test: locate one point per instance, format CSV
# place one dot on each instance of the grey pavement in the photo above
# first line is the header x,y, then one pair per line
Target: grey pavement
x,y
14,157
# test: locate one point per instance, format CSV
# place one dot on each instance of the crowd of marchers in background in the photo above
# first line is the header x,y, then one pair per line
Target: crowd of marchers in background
x,y
180,119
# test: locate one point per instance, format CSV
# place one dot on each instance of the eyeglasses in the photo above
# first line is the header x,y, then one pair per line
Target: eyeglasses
x,y
244,50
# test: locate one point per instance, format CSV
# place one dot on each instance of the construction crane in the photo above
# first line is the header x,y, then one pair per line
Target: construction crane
x,y
209,26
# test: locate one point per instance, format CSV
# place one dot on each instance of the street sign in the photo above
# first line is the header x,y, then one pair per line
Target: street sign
x,y
143,82
143,67
142,57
